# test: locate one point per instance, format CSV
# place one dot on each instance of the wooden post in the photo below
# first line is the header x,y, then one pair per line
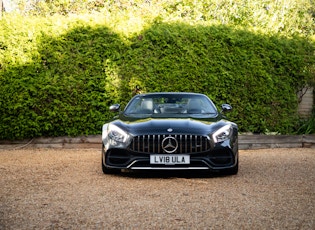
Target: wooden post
x,y
306,102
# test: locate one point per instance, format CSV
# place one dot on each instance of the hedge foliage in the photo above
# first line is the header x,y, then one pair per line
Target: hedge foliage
x,y
286,16
58,75
258,75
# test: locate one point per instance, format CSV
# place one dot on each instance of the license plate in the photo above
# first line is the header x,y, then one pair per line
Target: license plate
x,y
169,159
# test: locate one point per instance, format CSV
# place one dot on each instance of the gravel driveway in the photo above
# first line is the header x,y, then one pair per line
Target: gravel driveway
x,y
66,189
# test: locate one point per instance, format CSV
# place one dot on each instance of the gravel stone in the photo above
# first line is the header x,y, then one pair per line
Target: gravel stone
x,y
66,189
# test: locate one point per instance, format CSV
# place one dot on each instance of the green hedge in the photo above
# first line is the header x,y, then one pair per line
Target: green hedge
x,y
257,74
56,82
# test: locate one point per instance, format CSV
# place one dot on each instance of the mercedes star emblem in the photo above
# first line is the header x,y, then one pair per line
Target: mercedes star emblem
x,y
169,144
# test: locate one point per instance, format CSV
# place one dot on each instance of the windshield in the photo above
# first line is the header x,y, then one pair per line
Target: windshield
x,y
171,104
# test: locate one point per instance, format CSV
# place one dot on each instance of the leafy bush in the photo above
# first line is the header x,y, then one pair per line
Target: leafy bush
x,y
61,91
289,16
257,74
59,74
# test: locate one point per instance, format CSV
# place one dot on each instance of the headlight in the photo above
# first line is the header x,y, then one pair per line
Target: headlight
x,y
222,134
117,134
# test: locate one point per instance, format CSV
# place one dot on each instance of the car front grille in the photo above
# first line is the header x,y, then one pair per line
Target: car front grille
x,y
186,144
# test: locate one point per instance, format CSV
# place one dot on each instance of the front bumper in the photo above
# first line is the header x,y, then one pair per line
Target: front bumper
x,y
221,156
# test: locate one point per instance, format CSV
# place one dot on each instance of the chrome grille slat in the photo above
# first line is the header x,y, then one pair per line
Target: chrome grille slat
x,y
153,143
180,147
186,143
191,144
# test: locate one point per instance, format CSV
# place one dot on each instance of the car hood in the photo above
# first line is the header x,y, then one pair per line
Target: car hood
x,y
149,125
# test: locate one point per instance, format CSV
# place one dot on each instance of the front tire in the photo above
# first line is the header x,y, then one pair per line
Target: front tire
x,y
231,171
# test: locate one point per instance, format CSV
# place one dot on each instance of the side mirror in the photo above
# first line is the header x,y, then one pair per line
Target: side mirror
x,y
226,108
114,108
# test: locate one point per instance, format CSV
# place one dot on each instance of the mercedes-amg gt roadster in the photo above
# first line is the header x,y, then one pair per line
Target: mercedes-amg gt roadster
x,y
170,131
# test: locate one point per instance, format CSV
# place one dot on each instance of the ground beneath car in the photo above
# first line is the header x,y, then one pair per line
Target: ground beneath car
x,y
66,189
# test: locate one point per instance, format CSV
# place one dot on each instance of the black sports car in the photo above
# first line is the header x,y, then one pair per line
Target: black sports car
x,y
170,131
